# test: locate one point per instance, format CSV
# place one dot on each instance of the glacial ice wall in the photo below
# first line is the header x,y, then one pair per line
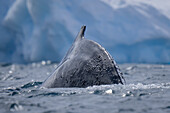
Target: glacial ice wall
x,y
133,31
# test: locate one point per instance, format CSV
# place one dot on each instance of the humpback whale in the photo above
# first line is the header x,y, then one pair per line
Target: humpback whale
x,y
86,64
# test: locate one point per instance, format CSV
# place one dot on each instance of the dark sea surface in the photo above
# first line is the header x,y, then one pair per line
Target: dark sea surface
x,y
147,90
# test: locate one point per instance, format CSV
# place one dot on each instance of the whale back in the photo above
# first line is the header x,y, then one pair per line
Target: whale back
x,y
86,64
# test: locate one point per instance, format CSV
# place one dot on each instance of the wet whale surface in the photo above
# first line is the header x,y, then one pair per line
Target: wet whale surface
x,y
86,64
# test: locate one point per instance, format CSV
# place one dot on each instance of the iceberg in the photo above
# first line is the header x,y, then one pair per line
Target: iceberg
x,y
133,31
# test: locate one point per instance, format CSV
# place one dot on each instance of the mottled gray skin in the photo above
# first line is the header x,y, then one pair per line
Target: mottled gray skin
x,y
85,64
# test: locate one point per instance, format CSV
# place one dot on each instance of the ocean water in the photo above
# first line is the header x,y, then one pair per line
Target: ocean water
x,y
147,90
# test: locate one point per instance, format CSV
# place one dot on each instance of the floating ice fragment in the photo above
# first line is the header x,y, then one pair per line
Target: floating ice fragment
x,y
109,91
10,72
43,62
48,62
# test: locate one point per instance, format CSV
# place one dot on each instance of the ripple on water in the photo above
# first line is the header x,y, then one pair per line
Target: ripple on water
x,y
136,96
31,84
15,106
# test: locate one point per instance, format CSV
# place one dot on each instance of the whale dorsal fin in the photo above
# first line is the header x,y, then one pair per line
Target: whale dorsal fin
x,y
80,35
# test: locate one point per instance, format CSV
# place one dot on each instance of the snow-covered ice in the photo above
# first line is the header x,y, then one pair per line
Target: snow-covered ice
x,y
131,30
